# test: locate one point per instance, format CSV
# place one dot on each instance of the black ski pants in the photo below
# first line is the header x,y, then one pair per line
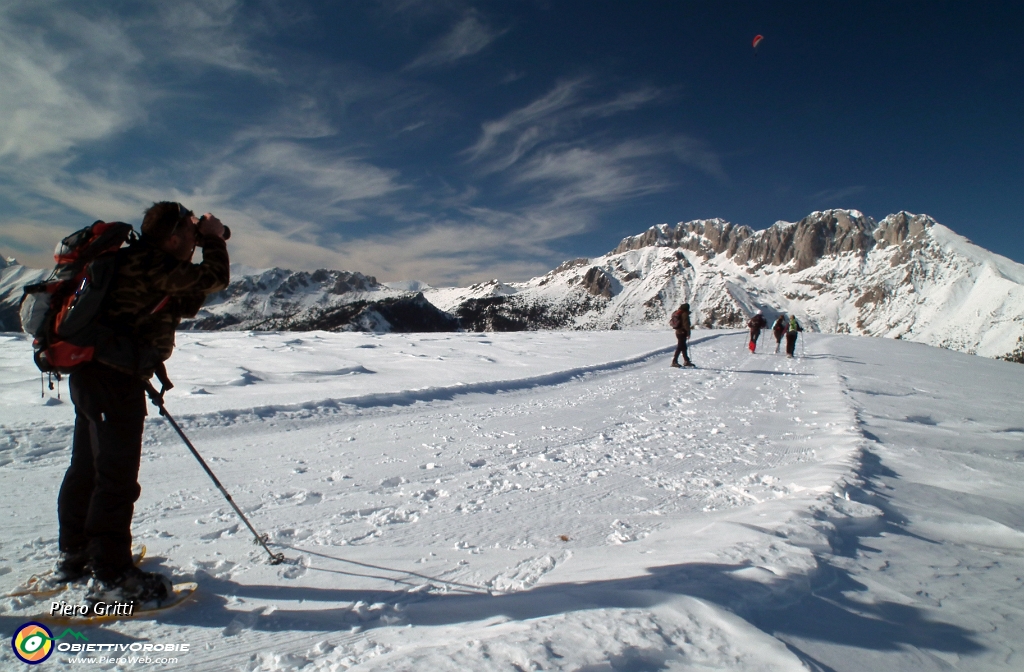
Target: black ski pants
x,y
681,338
791,342
100,488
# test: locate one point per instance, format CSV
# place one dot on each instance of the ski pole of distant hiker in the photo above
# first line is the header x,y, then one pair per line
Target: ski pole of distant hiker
x,y
158,400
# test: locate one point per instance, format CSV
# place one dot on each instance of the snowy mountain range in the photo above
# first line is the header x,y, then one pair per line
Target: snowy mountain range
x,y
838,271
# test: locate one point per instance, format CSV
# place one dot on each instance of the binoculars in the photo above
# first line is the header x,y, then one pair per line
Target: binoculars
x,y
199,236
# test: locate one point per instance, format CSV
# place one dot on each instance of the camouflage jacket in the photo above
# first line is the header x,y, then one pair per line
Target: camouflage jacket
x,y
148,298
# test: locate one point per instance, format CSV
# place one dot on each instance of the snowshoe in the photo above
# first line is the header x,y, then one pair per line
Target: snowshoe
x,y
70,568
106,612
676,365
145,590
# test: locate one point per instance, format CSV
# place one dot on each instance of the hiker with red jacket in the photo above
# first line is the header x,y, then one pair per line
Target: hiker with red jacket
x,y
779,330
756,324
155,287
680,322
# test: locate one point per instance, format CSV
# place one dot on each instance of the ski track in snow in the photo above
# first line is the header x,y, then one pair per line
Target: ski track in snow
x,y
617,515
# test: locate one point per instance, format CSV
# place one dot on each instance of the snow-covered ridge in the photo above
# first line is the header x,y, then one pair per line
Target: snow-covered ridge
x,y
278,299
838,271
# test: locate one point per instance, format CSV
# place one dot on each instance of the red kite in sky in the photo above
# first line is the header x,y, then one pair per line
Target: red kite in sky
x,y
757,40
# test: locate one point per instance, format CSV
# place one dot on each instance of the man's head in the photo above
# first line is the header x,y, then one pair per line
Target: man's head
x,y
685,307
171,227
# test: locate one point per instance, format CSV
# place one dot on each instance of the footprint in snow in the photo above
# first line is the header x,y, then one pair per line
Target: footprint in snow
x,y
242,622
226,532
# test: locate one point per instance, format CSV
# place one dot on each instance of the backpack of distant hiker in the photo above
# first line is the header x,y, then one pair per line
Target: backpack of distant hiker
x,y
59,313
676,320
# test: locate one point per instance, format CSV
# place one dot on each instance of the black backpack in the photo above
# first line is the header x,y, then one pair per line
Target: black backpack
x,y
59,313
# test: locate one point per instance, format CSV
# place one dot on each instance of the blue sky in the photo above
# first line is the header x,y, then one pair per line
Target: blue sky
x,y
453,141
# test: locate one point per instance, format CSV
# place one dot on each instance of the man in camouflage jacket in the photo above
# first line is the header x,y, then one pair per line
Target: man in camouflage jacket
x,y
156,286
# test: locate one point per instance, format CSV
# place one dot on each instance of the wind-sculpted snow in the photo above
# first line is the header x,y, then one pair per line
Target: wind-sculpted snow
x,y
559,500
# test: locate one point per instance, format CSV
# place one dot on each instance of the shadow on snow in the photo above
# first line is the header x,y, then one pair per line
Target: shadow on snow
x,y
820,608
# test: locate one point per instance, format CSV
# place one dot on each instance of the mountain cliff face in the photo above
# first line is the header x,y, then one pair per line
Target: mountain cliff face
x,y
838,271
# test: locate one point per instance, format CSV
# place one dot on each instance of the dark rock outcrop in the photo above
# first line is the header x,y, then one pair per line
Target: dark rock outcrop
x,y
598,283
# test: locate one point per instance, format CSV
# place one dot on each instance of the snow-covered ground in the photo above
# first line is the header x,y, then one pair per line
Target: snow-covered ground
x,y
558,501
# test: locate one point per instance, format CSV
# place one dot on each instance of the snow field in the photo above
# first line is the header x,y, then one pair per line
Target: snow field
x,y
560,501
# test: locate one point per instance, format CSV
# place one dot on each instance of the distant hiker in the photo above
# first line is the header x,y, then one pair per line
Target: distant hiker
x,y
756,324
680,321
156,284
779,330
794,329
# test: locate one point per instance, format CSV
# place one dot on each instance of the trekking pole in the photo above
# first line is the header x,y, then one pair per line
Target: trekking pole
x,y
158,400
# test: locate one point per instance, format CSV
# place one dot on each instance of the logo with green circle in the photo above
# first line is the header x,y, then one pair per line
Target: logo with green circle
x,y
32,643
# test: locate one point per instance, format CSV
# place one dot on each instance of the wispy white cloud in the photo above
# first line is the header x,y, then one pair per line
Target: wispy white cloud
x,y
834,196
505,141
338,178
66,79
468,37
527,125
207,32
591,175
75,74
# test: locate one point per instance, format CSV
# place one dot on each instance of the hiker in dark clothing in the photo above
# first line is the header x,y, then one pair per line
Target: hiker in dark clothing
x,y
791,335
156,285
756,324
680,321
779,330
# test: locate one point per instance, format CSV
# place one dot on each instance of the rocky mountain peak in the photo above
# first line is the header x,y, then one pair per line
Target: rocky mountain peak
x,y
802,243
895,229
